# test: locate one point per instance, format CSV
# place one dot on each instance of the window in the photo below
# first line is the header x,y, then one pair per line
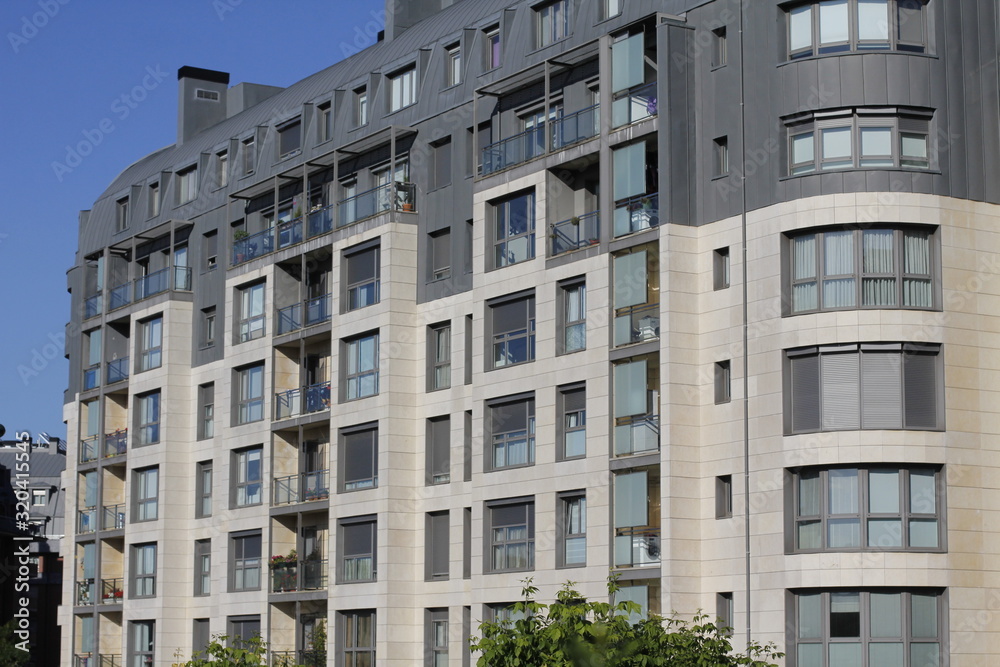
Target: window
x,y
466,542
200,636
149,418
633,75
467,356
636,504
358,458
210,249
251,397
92,350
252,317
402,89
552,22
121,214
853,139
440,264
357,637
358,546
833,26
720,163
437,541
866,386
245,561
242,629
141,639
510,540
222,169
724,612
611,8
249,155
203,567
290,139
720,55
146,496
187,185
878,508
39,497
723,496
439,354
206,411
723,381
208,327
203,490
572,529
636,295
512,432
573,295
513,230
467,446
144,570
150,344
362,278
492,53
436,638
720,268
573,408
154,199
512,322
878,626
634,189
636,405
324,122
438,450
361,107
247,476
361,361
863,268
440,171
452,65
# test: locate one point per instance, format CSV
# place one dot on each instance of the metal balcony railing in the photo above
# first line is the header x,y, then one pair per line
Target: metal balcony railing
x,y
302,575
576,127
634,104
113,517
88,449
637,547
302,488
112,591
388,197
636,324
296,402
636,214
315,310
637,435
92,306
111,660
117,370
86,520
577,232
120,296
514,150
85,592
115,444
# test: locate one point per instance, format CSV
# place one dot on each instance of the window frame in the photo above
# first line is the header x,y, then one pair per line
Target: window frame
x,y
501,340
568,290
352,355
150,344
501,224
204,478
628,327
242,467
252,319
571,421
639,427
504,441
437,547
723,381
349,438
360,106
222,169
148,416
440,259
854,43
187,184
369,521
724,497
202,567
350,637
404,94
721,269
550,27
143,580
155,202
438,451
720,44
146,498
240,564
288,130
492,48
439,349
248,154
206,411
452,65
121,215
324,121
570,529
363,291
511,540
436,627
720,156
249,404
147,654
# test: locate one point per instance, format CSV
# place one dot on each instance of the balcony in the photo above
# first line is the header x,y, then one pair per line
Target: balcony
x,y
576,127
635,104
637,435
86,521
88,449
113,517
637,547
636,214
117,370
297,402
120,297
112,591
636,324
92,306
315,310
301,488
92,377
298,658
388,197
301,575
272,239
320,221
514,150
85,592
577,232
115,444
111,660
151,285
84,660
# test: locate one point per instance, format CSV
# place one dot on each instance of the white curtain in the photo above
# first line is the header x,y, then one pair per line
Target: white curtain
x,y
838,260
877,257
804,267
917,260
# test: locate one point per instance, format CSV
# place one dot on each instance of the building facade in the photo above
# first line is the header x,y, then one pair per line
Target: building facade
x,y
699,292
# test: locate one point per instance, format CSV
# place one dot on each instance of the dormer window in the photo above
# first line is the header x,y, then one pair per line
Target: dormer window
x,y
289,138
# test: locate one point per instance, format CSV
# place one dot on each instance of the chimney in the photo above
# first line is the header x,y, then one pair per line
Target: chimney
x,y
201,100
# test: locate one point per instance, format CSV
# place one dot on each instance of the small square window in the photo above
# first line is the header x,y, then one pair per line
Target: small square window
x,y
358,547
720,268
723,496
723,381
720,163
510,536
720,55
39,497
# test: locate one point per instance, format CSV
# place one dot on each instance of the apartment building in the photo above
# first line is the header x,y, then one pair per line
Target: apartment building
x,y
699,292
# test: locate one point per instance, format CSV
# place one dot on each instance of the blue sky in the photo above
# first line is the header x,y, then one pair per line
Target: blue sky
x,y
104,73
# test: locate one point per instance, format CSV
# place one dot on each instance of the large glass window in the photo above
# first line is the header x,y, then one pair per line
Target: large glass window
x,y
357,638
146,494
878,508
512,433
361,372
141,636
513,230
245,561
636,405
874,267
512,325
358,548
362,278
878,627
552,22
149,418
633,76
247,476
635,189
853,139
511,535
252,316
143,570
150,344
572,529
834,26
359,458
866,386
251,394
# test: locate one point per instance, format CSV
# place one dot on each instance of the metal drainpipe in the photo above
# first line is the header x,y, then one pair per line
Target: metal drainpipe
x,y
746,364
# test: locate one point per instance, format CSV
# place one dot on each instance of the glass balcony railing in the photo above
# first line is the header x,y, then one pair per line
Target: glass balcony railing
x,y
85,591
302,488
636,324
388,197
315,311
120,296
182,278
577,232
117,370
576,127
112,591
155,283
637,547
253,246
302,575
86,520
113,517
296,402
634,104
637,435
88,449
91,377
514,150
92,306
115,444
320,221
636,214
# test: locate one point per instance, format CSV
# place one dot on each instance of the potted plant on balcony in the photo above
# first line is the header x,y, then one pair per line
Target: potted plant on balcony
x,y
240,235
283,574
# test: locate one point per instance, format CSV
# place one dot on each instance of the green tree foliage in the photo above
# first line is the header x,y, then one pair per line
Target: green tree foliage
x,y
248,653
575,632
9,653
